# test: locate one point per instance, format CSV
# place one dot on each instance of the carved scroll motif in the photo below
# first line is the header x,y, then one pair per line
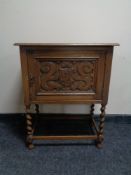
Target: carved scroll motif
x,y
67,76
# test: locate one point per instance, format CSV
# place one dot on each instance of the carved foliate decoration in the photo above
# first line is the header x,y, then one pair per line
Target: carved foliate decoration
x,y
67,76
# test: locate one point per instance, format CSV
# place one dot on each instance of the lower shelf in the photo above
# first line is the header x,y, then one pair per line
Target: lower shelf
x,y
63,137
51,128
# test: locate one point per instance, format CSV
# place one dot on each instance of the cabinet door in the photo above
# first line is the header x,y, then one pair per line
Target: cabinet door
x,y
61,78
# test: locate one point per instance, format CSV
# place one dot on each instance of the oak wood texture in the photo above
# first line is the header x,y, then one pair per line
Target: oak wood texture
x,y
66,73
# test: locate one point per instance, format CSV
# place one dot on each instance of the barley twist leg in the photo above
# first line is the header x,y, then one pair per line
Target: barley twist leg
x,y
29,128
101,127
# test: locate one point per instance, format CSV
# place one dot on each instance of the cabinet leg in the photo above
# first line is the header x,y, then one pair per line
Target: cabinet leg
x,y
29,139
37,108
92,110
91,114
101,127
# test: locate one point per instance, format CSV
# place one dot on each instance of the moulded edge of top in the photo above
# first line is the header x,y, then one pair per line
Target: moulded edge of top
x,y
67,44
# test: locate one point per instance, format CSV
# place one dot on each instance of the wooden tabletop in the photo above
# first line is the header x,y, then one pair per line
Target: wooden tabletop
x,y
66,44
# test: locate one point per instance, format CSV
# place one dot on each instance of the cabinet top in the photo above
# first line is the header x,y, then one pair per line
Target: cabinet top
x,y
66,44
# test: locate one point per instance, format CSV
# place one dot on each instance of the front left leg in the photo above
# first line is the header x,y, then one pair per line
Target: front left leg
x,y
29,139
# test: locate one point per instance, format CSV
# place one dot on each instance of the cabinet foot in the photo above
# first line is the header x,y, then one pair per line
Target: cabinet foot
x,y
30,146
99,145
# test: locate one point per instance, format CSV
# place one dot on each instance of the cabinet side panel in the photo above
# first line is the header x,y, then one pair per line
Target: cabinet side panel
x,y
24,68
107,74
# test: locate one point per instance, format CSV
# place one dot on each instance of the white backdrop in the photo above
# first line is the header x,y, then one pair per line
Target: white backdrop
x,y
71,21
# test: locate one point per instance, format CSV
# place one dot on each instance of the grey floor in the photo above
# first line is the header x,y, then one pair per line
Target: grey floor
x,y
67,157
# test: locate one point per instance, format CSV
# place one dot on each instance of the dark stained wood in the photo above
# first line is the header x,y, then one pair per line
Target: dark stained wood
x,y
63,73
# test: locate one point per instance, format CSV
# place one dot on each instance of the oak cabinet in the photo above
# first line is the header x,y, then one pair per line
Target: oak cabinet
x,y
66,74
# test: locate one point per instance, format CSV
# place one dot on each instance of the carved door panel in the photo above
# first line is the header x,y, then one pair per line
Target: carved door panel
x,y
59,79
